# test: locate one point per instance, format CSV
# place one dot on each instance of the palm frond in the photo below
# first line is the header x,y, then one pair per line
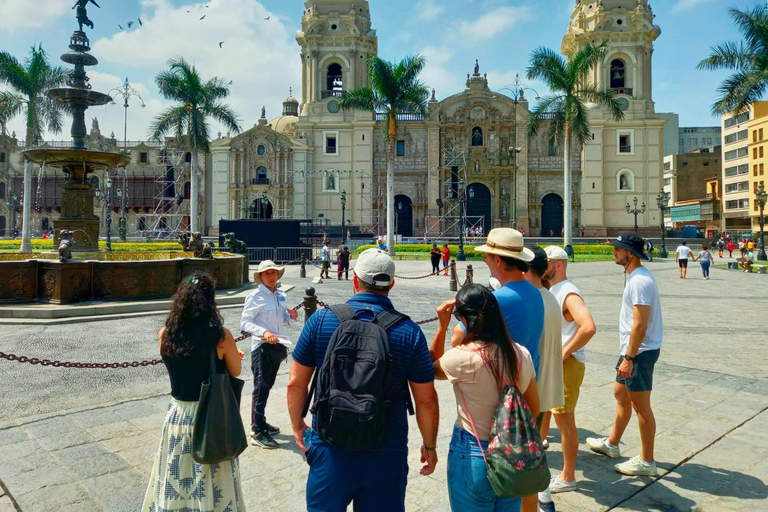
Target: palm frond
x,y
382,79
738,91
549,67
584,60
225,115
169,120
753,24
548,106
359,99
604,98
13,73
414,100
579,120
728,55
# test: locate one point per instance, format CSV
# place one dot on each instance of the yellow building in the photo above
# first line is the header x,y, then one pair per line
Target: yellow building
x,y
758,159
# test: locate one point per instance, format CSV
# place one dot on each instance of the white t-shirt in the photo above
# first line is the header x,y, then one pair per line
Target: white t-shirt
x,y
550,381
683,251
325,254
641,290
561,291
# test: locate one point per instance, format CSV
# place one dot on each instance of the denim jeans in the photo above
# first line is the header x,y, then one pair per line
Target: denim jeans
x,y
704,268
468,487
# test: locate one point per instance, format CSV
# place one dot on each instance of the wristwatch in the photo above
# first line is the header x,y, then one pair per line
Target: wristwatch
x,y
629,358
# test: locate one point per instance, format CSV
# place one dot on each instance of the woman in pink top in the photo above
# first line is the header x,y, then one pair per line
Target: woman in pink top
x,y
469,366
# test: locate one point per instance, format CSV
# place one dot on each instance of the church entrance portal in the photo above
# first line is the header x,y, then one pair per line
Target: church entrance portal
x,y
552,215
479,205
403,215
259,211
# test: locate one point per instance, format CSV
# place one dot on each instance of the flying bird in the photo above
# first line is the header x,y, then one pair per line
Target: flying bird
x,y
221,43
230,82
130,24
140,23
120,26
204,15
267,18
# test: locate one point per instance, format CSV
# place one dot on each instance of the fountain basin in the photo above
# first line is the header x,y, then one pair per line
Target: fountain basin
x,y
86,280
60,158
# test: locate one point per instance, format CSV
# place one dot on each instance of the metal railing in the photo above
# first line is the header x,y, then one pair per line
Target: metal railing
x,y
259,181
278,254
382,116
622,90
331,94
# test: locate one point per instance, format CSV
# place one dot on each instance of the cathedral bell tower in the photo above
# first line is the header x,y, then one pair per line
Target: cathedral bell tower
x,y
624,160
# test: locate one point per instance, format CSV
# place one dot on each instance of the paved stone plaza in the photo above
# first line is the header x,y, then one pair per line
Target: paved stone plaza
x,y
84,440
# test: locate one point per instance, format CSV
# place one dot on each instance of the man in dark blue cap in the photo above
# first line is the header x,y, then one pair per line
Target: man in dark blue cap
x,y
640,333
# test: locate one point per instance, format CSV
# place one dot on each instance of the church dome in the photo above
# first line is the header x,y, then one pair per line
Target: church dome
x,y
285,125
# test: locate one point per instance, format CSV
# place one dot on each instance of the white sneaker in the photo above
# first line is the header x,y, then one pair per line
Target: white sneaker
x,y
557,485
636,466
600,445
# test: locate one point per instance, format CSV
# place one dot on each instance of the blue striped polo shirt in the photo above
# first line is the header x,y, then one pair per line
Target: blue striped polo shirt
x,y
407,346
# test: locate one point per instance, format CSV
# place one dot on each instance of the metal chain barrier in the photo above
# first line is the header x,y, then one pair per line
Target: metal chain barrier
x,y
419,277
133,364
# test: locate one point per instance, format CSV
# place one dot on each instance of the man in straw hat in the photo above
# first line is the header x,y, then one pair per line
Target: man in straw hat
x,y
640,335
520,302
264,314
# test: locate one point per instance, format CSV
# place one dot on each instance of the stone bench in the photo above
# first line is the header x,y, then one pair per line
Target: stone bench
x,y
761,269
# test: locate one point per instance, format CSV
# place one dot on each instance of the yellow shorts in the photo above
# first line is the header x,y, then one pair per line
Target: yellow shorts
x,y
573,376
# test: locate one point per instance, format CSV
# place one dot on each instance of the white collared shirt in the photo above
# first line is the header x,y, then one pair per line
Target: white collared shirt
x,y
264,311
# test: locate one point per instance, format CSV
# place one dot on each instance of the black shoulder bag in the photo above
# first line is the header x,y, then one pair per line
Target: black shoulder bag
x,y
217,430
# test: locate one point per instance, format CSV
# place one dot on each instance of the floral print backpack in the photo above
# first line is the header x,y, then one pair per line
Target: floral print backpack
x,y
516,464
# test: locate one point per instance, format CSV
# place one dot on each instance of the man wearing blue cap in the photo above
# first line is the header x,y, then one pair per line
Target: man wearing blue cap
x,y
640,333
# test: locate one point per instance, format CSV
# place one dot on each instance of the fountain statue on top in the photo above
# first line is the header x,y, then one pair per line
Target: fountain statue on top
x,y
77,162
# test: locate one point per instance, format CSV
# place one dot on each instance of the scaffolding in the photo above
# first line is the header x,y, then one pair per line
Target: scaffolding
x,y
169,217
447,225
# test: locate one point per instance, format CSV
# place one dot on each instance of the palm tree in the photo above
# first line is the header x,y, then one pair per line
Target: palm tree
x,y
395,89
188,119
10,106
29,81
749,59
565,112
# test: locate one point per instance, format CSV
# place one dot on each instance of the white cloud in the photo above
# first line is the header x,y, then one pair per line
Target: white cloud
x,y
258,55
427,10
17,14
685,5
489,25
436,75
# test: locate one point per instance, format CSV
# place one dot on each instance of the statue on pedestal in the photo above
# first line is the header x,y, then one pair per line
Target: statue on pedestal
x,y
82,13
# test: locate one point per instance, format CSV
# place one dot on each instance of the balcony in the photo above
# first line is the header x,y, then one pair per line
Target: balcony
x,y
260,181
382,116
331,94
625,149
626,91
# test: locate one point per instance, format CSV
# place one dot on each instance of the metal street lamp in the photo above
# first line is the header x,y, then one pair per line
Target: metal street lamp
x,y
125,92
661,201
515,152
460,256
343,213
760,199
635,211
264,204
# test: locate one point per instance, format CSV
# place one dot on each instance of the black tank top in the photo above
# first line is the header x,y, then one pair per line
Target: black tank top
x,y
188,373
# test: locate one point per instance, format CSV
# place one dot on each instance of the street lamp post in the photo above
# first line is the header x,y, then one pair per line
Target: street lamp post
x,y
661,201
460,256
125,92
343,214
761,199
264,204
635,211
515,152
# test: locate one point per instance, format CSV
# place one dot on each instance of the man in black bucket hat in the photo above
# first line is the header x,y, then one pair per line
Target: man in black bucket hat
x,y
640,335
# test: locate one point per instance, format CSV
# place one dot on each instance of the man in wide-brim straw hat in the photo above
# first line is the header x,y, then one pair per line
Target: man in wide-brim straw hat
x,y
264,315
520,301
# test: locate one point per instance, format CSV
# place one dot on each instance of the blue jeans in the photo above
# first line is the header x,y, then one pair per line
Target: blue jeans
x,y
704,268
468,487
372,480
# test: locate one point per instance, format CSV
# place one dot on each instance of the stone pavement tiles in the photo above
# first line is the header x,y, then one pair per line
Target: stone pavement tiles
x,y
709,400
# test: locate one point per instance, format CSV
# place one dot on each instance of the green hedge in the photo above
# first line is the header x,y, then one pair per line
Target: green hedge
x,y
40,245
605,250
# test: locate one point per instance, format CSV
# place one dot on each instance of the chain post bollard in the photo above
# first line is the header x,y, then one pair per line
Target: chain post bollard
x,y
453,284
303,272
310,303
470,275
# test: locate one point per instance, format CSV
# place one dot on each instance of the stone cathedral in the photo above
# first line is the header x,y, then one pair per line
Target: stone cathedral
x,y
472,144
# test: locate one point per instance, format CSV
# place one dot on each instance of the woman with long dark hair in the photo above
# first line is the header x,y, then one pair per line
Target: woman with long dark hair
x,y
478,365
193,330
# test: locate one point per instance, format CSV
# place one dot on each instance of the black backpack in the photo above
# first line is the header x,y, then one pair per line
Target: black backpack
x,y
354,385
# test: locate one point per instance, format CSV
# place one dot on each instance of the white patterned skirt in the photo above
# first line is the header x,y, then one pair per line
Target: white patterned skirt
x,y
178,483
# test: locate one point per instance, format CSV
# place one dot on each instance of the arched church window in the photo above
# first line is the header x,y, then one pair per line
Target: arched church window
x,y
618,74
477,136
187,190
2,190
261,175
188,157
335,79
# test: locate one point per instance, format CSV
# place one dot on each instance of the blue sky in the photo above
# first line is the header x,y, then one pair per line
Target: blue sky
x,y
261,56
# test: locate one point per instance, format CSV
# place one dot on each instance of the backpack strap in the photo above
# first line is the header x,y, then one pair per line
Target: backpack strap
x,y
343,312
386,320
472,422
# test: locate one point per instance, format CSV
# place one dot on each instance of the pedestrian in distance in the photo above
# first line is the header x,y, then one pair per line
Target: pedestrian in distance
x,y
478,365
649,247
192,334
747,261
720,247
343,265
380,245
705,260
582,231
578,328
551,232
730,247
434,256
641,331
681,257
743,246
265,313
446,258
356,455
325,266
